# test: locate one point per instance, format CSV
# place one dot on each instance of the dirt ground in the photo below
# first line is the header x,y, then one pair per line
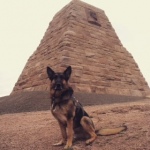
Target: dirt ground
x,y
39,130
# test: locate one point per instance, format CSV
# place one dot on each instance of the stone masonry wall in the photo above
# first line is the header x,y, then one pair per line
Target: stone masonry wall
x,y
81,35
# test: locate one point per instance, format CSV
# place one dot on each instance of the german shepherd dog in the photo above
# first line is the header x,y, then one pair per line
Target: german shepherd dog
x,y
69,112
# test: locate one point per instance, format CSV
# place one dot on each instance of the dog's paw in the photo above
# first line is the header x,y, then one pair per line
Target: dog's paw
x,y
87,142
68,147
59,143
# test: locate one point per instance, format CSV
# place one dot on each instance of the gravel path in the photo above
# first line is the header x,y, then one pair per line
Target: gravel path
x,y
39,130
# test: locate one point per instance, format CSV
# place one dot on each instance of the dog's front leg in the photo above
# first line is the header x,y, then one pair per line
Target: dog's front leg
x,y
64,135
69,134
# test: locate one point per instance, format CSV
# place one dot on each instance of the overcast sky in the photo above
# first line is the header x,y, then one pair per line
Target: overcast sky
x,y
24,22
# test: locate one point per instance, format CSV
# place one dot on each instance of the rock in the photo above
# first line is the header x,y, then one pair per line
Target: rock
x,y
81,35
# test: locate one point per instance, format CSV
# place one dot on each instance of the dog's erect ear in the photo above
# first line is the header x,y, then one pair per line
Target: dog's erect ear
x,y
67,73
50,73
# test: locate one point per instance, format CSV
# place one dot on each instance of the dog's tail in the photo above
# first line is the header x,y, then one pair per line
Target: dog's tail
x,y
111,131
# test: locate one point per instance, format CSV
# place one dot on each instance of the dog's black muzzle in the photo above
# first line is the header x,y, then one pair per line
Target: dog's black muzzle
x,y
58,86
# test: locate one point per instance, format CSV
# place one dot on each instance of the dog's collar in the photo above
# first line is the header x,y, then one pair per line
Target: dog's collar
x,y
75,100
79,106
63,98
57,102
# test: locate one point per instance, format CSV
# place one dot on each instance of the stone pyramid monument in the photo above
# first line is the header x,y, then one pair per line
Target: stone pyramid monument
x,y
81,35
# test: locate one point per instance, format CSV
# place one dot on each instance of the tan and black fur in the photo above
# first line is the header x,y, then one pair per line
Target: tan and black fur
x,y
69,112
